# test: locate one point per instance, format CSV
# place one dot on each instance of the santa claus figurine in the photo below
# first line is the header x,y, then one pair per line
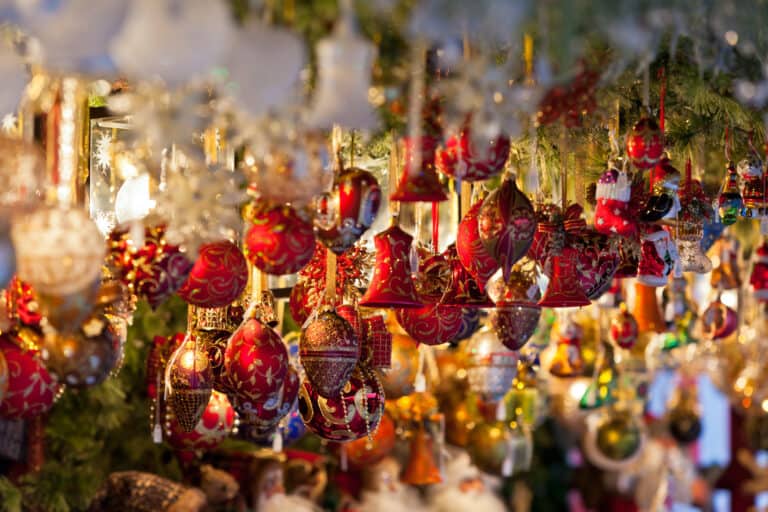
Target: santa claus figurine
x,y
464,488
759,277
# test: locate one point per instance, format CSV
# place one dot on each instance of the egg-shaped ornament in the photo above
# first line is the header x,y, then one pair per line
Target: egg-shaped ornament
x,y
255,364
645,144
471,250
278,241
517,313
329,350
399,379
218,277
468,159
345,213
491,365
353,414
189,382
507,224
216,423
264,415
31,390
58,251
84,357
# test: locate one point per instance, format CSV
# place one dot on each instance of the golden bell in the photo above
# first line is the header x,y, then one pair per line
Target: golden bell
x,y
421,468
647,311
567,361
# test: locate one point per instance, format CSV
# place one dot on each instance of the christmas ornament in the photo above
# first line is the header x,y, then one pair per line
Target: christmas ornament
x,y
375,339
279,241
753,185
645,144
84,357
421,468
695,209
216,423
398,381
353,414
629,258
624,329
663,202
329,351
31,389
470,321
459,422
22,170
463,291
564,289
432,324
729,201
344,214
602,390
492,366
647,311
470,249
218,277
58,251
489,446
255,364
344,61
758,279
618,437
657,258
213,329
468,160
506,224
718,321
567,361
419,181
612,214
264,416
570,101
3,376
391,285
66,313
189,382
363,453
683,419
514,325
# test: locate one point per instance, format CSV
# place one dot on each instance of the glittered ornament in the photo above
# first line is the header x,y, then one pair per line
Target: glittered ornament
x,y
468,160
464,291
218,277
159,353
567,361
491,365
329,351
31,388
729,202
58,251
507,224
279,241
392,285
365,452
564,289
189,382
419,180
84,357
471,250
612,212
624,330
353,414
517,312
255,364
645,144
344,214
718,321
432,324
215,425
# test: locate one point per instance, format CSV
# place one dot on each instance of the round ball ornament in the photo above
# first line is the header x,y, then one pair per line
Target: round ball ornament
x,y
719,321
215,425
266,414
58,251
353,414
84,357
343,215
491,365
507,224
468,161
431,324
398,380
645,144
624,330
684,425
218,277
614,440
471,250
329,350
279,241
489,445
364,452
255,364
597,262
31,388
189,380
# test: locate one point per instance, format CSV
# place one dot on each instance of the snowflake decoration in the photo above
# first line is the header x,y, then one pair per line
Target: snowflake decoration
x,y
103,153
9,124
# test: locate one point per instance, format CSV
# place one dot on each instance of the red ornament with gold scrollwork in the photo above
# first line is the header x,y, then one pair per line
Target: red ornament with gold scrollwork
x,y
31,389
471,250
278,241
218,277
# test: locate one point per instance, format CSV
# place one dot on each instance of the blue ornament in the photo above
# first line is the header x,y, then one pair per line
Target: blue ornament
x,y
712,232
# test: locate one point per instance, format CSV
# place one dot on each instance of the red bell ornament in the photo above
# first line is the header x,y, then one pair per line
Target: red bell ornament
x,y
329,351
645,144
255,364
218,277
391,285
464,291
353,414
466,160
279,241
343,215
419,181
564,289
471,250
507,224
31,389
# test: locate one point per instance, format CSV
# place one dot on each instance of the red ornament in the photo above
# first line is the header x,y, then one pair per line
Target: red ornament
x,y
215,425
304,296
759,277
391,285
597,261
349,210
329,350
422,183
158,357
365,452
21,294
255,365
624,330
431,324
463,160
564,289
719,321
267,414
31,389
471,250
645,144
507,224
464,291
218,277
353,414
279,241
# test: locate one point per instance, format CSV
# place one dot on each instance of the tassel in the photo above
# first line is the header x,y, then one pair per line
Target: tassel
x,y
277,441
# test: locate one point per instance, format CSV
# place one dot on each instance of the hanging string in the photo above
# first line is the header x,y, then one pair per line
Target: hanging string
x,y
647,89
528,57
564,168
727,144
393,167
662,96
435,226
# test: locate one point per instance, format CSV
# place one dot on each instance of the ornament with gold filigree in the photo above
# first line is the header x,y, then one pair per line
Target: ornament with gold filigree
x,y
189,382
718,321
517,313
492,366
31,389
